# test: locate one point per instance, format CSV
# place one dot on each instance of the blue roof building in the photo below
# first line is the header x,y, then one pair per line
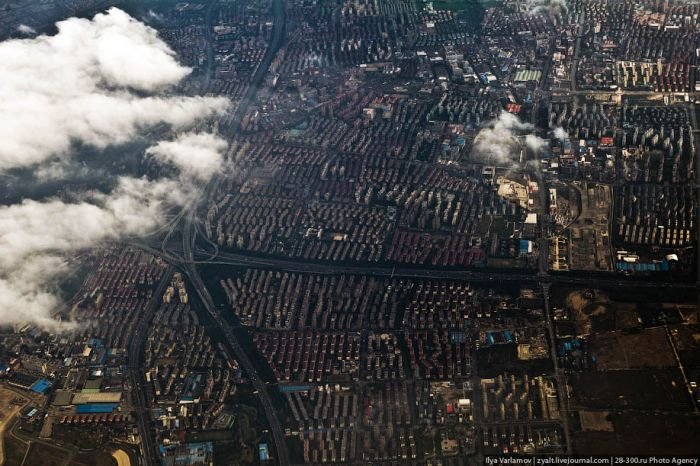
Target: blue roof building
x,y
41,386
263,452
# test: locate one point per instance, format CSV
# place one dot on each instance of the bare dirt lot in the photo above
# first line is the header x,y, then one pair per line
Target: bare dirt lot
x,y
43,454
640,349
596,421
638,433
10,404
591,310
588,234
650,389
687,340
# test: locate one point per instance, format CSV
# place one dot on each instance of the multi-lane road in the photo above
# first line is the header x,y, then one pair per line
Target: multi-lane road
x,y
190,228
185,221
190,270
139,390
605,281
188,258
276,40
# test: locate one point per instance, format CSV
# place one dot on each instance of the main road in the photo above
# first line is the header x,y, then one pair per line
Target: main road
x,y
186,223
190,270
605,281
543,270
190,257
189,231
138,385
276,39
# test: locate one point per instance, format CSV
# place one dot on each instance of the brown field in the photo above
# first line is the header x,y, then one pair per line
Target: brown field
x,y
642,434
94,459
586,308
642,349
596,421
47,456
7,413
15,449
650,389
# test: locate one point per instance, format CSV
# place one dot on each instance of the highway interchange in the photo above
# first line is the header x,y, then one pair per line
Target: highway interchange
x,y
187,256
185,222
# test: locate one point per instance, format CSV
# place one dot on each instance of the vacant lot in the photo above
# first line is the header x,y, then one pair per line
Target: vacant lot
x,y
643,434
10,405
47,456
589,242
590,309
95,459
687,340
651,389
641,349
596,421
15,450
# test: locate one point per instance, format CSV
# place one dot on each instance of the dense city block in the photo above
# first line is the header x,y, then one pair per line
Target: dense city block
x,y
404,232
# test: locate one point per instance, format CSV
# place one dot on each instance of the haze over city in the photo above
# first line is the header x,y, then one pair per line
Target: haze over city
x,y
362,232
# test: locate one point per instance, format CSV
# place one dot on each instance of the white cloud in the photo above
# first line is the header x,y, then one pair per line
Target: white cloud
x,y
157,17
497,142
97,82
35,236
26,30
59,170
535,143
92,82
195,154
560,133
21,300
501,140
535,7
